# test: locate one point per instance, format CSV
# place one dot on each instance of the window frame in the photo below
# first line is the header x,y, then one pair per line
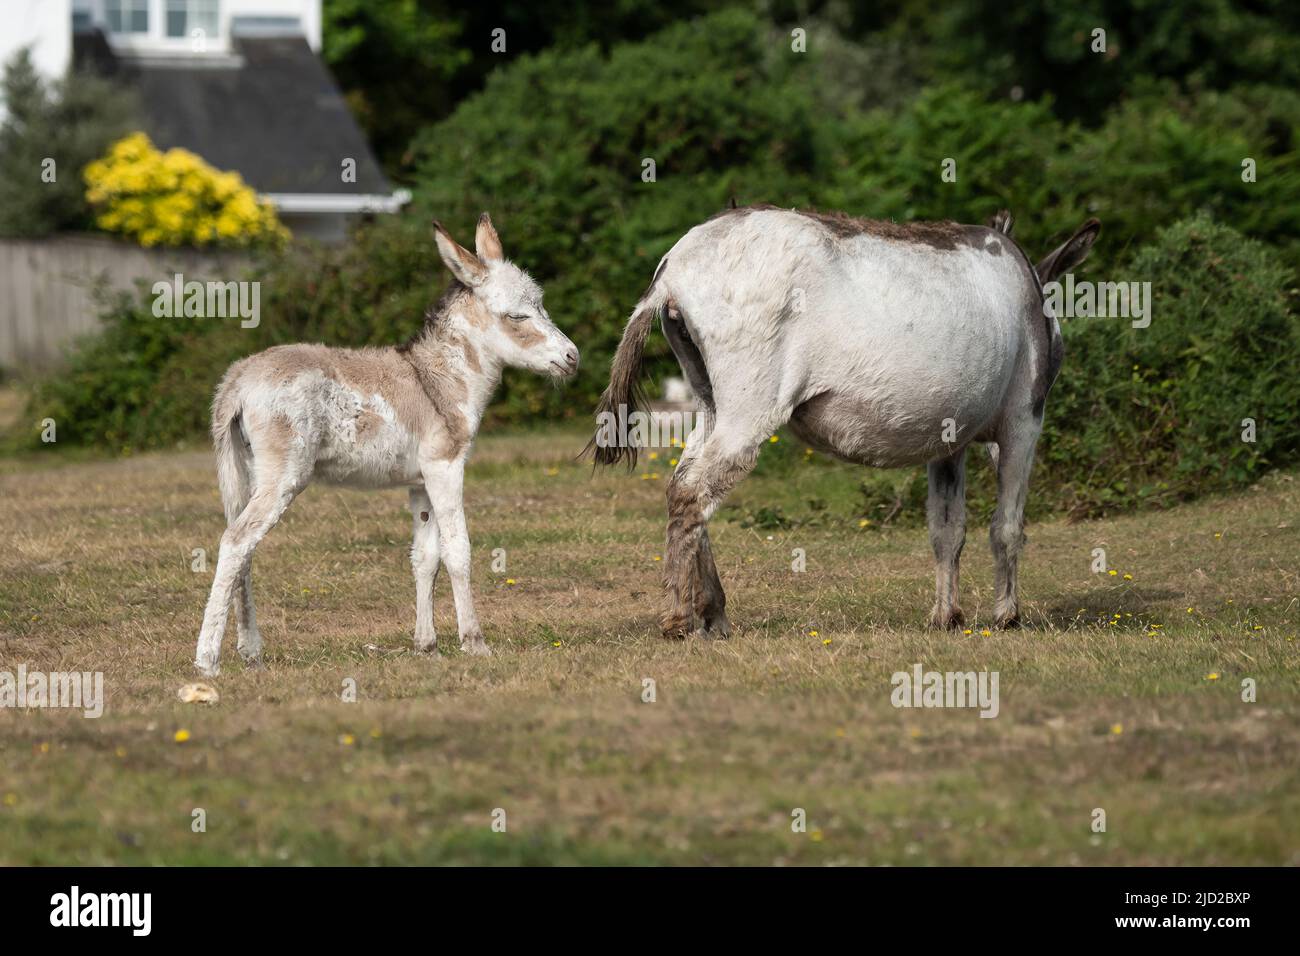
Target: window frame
x,y
156,38
190,10
128,9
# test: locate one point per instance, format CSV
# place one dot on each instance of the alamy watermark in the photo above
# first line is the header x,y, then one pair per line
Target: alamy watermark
x,y
922,688
130,910
77,690
208,300
637,429
1068,299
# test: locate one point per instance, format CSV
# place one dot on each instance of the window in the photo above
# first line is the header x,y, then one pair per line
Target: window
x,y
83,15
127,16
186,16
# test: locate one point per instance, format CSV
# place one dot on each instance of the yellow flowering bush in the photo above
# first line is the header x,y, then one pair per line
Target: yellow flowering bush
x,y
176,199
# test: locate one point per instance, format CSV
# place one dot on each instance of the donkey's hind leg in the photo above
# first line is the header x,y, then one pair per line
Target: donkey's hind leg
x,y
279,476
708,471
235,465
946,513
249,642
710,600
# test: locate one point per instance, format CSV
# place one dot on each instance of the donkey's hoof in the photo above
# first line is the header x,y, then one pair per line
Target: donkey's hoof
x,y
212,669
478,648
947,620
675,627
426,647
254,663
1008,620
718,629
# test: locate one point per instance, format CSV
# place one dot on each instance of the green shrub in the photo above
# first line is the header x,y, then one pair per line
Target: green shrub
x,y
1004,154
1162,156
1152,416
112,392
1046,47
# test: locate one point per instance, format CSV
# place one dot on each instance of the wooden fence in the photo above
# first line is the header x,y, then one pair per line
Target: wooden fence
x,y
47,288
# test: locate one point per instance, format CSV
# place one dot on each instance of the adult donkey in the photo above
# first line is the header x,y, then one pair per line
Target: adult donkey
x,y
885,344
373,418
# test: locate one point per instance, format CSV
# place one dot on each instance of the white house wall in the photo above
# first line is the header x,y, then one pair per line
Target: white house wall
x,y
45,25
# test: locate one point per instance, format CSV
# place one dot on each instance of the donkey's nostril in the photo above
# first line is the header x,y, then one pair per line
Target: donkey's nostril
x,y
571,357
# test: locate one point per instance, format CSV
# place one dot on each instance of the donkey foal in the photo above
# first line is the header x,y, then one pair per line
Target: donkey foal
x,y
375,418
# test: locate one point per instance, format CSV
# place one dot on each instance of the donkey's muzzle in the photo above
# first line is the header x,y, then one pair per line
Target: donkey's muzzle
x,y
569,366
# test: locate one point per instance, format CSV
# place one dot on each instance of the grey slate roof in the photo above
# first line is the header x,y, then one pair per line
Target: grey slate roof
x,y
277,118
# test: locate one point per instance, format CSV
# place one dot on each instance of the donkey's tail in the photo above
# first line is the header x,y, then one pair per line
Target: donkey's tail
x,y
228,439
624,393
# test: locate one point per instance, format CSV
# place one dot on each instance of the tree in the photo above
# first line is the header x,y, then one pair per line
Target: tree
x,y
403,64
395,61
50,132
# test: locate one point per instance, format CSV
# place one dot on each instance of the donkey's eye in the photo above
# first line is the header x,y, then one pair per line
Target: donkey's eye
x,y
516,317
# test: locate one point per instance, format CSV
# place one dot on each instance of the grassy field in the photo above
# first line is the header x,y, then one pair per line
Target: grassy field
x,y
1123,693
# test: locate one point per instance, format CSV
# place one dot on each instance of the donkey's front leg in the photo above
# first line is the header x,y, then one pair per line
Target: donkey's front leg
x,y
445,483
945,510
711,601
424,562
1007,531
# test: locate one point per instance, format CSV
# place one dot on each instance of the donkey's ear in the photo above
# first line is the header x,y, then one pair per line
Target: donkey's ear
x,y
1069,254
464,265
486,241
1001,221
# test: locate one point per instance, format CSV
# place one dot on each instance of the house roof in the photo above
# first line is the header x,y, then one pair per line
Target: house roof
x,y
269,110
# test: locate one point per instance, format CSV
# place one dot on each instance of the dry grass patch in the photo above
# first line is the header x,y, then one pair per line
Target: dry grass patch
x,y
793,712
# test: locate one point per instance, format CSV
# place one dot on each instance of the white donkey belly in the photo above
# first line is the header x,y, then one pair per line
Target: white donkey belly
x,y
913,357
356,437
366,446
